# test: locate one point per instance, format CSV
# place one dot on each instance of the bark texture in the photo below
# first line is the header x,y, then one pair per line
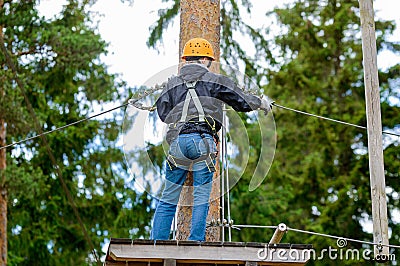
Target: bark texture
x,y
200,18
3,189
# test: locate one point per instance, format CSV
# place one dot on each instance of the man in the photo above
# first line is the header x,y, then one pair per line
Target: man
x,y
191,104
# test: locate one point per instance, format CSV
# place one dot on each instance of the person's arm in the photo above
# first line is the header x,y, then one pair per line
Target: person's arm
x,y
227,91
164,104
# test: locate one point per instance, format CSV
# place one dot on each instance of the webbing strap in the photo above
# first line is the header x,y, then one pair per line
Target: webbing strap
x,y
197,104
174,162
192,95
208,158
185,107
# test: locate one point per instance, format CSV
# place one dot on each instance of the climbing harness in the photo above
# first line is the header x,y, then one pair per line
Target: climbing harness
x,y
174,162
175,129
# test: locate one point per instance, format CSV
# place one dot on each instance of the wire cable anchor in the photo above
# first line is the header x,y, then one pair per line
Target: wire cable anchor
x,y
223,223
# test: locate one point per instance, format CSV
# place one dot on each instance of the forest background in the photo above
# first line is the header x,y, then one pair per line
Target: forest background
x,y
305,55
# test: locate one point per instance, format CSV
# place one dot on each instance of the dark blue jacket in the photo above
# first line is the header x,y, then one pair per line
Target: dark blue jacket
x,y
213,91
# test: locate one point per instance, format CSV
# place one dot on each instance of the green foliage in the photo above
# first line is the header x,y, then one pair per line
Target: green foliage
x,y
165,19
319,180
322,165
58,63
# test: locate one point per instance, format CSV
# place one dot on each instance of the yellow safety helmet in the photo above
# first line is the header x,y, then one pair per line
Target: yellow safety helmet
x,y
198,47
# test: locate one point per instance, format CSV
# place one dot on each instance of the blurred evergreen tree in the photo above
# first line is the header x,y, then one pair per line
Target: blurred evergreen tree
x,y
319,180
58,61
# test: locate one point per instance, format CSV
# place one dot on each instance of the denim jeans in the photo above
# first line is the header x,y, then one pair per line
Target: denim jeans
x,y
185,146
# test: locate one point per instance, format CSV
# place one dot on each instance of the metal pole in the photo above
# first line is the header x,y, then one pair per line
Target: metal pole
x,y
223,132
226,166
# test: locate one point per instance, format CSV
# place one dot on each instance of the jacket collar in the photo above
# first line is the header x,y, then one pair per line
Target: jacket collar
x,y
192,71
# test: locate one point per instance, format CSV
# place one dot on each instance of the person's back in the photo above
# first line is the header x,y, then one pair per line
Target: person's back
x,y
211,89
191,105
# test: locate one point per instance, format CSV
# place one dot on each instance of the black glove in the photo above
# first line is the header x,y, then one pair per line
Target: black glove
x,y
266,105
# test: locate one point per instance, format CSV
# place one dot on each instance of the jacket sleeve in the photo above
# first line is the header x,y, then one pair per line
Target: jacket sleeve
x,y
227,91
164,104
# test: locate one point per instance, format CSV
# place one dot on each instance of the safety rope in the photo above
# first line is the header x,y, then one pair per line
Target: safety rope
x,y
225,165
62,127
329,119
305,113
135,100
132,102
339,237
230,224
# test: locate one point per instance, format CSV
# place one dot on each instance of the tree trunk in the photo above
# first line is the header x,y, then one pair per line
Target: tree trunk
x,y
3,190
200,18
3,196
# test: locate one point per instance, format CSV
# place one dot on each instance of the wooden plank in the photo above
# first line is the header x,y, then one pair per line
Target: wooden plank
x,y
251,263
214,254
198,263
208,262
128,241
132,263
169,262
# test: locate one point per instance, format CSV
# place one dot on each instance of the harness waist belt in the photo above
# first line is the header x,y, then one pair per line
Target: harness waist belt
x,y
174,162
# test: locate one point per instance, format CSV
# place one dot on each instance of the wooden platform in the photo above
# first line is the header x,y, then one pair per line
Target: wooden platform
x,y
126,252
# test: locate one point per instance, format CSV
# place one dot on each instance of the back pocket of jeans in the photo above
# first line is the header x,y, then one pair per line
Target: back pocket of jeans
x,y
211,146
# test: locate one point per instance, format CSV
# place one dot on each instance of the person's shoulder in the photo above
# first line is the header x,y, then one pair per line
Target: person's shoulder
x,y
211,76
174,81
173,78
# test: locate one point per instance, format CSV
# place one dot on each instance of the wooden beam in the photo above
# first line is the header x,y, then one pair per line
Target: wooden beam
x,y
169,262
374,126
131,263
226,253
278,234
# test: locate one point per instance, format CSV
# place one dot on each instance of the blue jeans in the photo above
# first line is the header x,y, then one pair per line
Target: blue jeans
x,y
189,147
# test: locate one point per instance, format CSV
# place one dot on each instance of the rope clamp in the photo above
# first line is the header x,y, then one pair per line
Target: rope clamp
x,y
379,246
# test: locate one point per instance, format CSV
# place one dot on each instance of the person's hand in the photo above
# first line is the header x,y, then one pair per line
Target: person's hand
x,y
266,105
